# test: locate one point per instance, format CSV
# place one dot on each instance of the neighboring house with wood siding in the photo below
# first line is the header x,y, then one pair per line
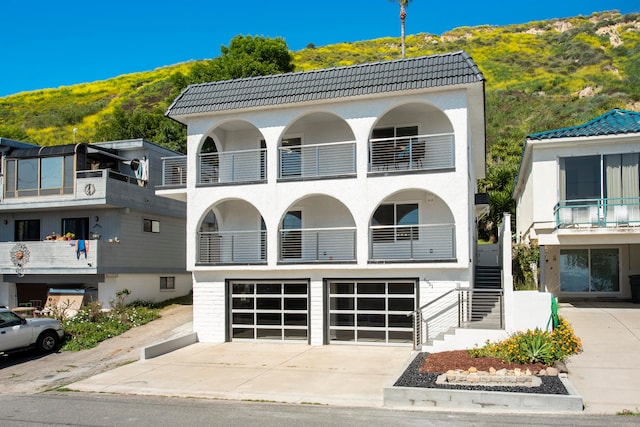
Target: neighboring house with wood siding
x,y
121,234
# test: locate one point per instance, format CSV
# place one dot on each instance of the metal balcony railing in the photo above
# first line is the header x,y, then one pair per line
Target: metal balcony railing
x,y
232,247
317,160
420,152
232,167
433,242
324,245
174,171
596,213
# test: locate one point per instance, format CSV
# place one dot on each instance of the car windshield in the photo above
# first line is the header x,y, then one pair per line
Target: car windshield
x,y
9,318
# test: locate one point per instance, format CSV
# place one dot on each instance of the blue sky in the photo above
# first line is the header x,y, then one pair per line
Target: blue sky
x,y
48,44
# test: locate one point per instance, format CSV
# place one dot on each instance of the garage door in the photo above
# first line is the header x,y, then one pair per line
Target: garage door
x,y
371,311
269,310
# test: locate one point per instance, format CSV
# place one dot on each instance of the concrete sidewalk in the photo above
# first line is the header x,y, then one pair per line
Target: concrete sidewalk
x,y
343,375
607,372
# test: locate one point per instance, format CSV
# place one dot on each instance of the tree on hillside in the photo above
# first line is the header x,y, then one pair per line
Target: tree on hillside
x,y
246,56
403,16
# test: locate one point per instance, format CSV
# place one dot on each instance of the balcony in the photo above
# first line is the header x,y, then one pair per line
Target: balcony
x,y
401,243
174,172
49,257
598,213
415,153
317,160
232,247
89,186
318,245
233,167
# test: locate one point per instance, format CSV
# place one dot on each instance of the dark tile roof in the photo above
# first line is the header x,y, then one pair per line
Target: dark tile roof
x,y
358,80
614,122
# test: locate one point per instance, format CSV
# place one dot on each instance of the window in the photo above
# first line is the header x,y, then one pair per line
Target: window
x,y
589,270
292,239
594,177
78,226
291,157
168,283
27,230
51,175
151,226
39,176
389,146
388,218
28,176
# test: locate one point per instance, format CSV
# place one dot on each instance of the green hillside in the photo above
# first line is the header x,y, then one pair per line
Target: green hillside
x,y
540,75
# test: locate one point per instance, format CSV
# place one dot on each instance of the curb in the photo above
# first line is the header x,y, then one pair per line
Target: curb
x,y
168,346
475,400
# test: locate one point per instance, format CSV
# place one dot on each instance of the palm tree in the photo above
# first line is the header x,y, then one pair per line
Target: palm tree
x,y
403,15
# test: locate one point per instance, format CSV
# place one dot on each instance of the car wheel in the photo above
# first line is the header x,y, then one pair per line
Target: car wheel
x,y
47,342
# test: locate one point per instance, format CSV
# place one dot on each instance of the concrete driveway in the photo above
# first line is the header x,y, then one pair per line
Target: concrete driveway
x,y
607,372
344,375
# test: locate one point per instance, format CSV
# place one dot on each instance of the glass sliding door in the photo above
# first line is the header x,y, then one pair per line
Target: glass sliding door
x,y
590,270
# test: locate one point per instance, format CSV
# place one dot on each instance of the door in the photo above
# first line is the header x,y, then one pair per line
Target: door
x,y
372,311
269,310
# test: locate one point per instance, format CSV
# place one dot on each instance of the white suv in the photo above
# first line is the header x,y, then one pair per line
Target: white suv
x,y
18,333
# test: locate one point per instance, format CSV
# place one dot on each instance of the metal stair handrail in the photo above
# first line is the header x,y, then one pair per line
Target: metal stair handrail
x,y
450,310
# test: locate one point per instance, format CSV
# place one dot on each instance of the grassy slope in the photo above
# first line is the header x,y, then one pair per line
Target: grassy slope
x,y
534,73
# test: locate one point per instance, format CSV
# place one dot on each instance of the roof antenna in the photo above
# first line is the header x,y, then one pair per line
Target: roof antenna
x,y
74,134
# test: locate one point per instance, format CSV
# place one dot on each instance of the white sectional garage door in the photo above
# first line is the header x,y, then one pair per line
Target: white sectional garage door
x,y
269,310
367,311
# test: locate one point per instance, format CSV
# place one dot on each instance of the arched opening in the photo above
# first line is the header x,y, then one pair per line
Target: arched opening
x,y
233,152
317,145
317,228
411,137
412,225
228,238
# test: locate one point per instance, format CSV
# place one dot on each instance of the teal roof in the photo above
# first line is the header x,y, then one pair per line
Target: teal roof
x,y
614,122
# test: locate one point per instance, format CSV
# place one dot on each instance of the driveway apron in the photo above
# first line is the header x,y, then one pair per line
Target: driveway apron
x,y
607,372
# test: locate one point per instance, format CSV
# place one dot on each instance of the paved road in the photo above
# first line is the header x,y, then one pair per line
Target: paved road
x,y
78,409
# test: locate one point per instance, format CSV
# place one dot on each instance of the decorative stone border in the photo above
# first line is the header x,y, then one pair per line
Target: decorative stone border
x,y
503,377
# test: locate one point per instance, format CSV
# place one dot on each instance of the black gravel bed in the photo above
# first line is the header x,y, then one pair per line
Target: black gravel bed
x,y
412,377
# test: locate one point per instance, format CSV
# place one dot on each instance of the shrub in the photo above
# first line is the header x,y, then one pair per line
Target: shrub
x,y
534,346
92,325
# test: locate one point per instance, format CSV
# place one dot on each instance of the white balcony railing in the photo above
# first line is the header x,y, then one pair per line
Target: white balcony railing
x,y
412,242
318,245
174,171
233,167
420,152
317,160
232,247
598,213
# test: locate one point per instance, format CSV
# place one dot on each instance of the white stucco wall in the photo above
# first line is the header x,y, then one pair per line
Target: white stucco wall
x,y
144,287
444,196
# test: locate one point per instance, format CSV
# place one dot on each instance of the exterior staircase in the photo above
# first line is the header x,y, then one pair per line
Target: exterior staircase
x,y
482,307
485,305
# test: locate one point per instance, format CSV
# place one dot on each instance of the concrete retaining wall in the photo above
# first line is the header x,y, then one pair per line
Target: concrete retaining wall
x,y
477,400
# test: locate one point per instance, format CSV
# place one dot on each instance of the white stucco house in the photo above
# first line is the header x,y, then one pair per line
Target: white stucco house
x,y
336,205
578,196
